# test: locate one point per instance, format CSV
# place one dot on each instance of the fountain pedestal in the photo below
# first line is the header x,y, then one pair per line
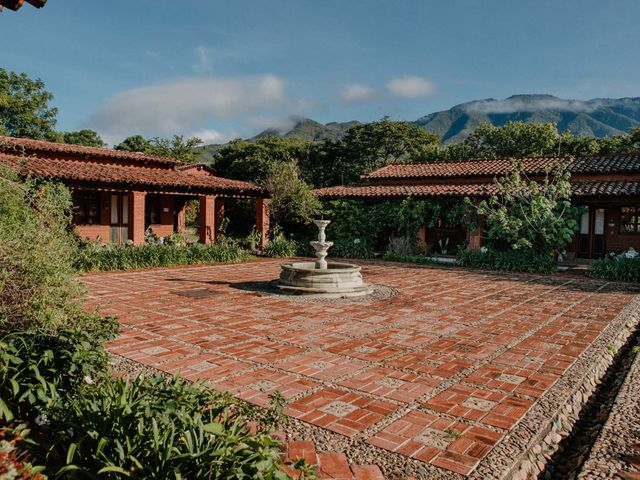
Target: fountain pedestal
x,y
321,278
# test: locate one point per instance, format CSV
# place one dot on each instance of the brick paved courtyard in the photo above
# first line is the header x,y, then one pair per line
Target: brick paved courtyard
x,y
442,372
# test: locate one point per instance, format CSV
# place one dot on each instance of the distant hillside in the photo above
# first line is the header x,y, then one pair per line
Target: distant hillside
x,y
307,129
599,117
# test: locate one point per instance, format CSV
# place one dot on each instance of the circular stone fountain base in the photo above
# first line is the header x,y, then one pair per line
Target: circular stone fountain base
x,y
338,280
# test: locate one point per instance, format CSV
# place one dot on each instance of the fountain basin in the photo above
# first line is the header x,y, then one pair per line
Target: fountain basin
x,y
338,280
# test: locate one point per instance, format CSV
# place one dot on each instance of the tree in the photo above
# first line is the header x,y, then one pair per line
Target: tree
x,y
253,160
532,215
513,139
178,148
292,200
24,107
370,146
85,137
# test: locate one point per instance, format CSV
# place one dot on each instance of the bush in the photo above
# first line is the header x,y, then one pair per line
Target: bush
x,y
37,369
620,268
14,463
393,257
37,283
93,256
280,246
508,261
156,427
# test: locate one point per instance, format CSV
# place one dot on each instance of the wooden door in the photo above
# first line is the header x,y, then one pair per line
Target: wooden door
x,y
119,217
591,238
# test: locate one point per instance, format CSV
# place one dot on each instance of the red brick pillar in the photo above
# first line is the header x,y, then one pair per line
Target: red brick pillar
x,y
136,217
219,215
262,220
207,219
180,208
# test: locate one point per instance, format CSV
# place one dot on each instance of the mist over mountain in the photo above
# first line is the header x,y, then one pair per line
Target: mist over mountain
x,y
599,117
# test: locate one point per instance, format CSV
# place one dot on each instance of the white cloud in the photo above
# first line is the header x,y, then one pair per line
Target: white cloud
x,y
411,86
184,105
531,103
210,136
357,92
204,64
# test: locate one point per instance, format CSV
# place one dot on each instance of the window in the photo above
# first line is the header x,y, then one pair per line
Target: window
x,y
152,210
630,220
87,208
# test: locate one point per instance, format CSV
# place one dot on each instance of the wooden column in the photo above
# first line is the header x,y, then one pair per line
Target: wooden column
x,y
262,220
219,215
136,217
475,235
207,219
180,209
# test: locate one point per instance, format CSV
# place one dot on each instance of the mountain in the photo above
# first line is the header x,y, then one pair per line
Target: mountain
x,y
307,129
599,117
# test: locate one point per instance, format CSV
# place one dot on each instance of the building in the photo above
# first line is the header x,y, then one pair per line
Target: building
x,y
609,186
117,195
16,4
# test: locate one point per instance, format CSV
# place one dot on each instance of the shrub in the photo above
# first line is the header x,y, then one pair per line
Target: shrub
x,y
156,427
98,257
39,368
37,283
402,246
532,215
508,261
393,257
280,246
616,268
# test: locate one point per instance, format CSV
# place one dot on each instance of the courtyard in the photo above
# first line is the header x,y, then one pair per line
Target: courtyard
x,y
452,372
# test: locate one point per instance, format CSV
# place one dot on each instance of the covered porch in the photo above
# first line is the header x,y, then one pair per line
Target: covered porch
x,y
123,216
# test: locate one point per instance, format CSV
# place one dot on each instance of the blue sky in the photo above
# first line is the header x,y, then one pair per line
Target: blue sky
x,y
226,69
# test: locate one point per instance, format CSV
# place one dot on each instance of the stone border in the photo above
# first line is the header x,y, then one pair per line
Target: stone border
x,y
621,429
524,453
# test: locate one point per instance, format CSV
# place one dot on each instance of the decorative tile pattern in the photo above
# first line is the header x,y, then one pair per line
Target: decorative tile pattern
x,y
465,355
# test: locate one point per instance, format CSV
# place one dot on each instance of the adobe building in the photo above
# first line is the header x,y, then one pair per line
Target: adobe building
x,y
609,186
117,195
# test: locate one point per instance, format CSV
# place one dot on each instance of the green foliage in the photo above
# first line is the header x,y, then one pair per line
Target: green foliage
x,y
156,427
370,146
85,137
532,215
98,257
38,369
358,228
616,268
393,257
508,261
280,246
177,148
291,197
37,283
24,107
253,160
14,462
514,139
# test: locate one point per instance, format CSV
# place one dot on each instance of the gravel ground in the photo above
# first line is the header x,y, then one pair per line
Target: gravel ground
x,y
620,432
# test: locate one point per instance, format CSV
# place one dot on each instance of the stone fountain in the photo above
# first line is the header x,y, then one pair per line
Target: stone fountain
x,y
321,278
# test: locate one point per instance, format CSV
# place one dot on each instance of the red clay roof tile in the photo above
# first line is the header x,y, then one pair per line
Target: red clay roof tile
x,y
629,162
592,188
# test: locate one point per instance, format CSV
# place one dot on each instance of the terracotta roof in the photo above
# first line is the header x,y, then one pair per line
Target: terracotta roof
x,y
594,188
606,187
116,173
433,190
16,4
460,169
629,162
18,145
